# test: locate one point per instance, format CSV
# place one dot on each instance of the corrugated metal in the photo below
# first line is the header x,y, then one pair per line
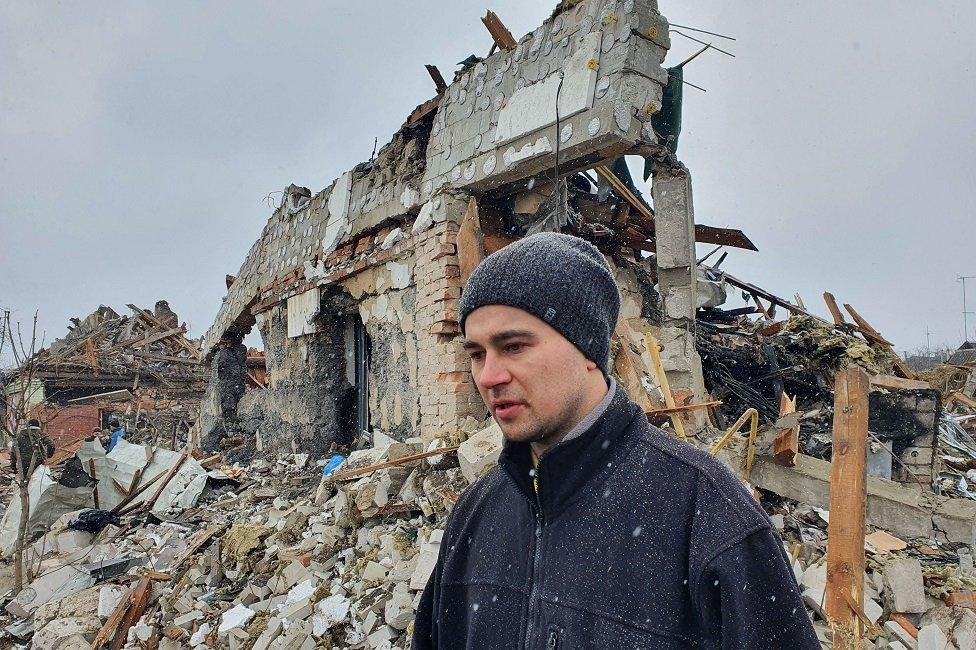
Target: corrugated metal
x,y
301,310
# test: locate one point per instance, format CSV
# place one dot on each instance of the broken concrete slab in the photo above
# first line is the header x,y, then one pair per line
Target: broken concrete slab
x,y
480,452
54,585
904,587
931,637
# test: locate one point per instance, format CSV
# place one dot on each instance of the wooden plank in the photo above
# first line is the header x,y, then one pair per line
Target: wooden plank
x,y
91,472
199,540
654,348
470,241
865,328
959,397
165,357
133,495
618,185
723,236
189,347
499,33
848,499
890,382
905,624
835,311
151,501
353,473
786,445
683,408
437,77
140,599
148,340
113,621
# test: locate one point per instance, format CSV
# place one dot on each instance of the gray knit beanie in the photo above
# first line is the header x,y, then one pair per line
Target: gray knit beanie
x,y
563,280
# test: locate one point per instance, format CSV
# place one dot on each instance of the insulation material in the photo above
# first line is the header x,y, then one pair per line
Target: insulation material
x,y
120,466
533,107
48,500
302,310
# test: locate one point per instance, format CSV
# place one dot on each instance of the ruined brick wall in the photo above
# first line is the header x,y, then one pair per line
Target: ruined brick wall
x,y
447,393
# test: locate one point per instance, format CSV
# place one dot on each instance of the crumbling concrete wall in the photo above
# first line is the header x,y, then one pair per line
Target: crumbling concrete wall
x,y
218,408
677,277
309,403
497,122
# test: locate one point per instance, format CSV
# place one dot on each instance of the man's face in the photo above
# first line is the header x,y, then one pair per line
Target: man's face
x,y
530,377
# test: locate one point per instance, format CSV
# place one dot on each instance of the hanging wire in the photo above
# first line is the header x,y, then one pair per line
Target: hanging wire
x,y
718,49
559,202
703,31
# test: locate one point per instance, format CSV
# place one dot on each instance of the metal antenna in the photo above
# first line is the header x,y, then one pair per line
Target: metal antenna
x,y
965,314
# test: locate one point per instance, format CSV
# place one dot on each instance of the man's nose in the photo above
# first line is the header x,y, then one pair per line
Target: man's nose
x,y
493,372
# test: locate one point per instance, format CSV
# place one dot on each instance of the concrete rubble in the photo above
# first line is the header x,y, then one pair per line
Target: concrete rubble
x,y
258,564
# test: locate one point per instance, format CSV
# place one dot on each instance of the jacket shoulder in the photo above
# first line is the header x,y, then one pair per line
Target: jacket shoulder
x,y
720,493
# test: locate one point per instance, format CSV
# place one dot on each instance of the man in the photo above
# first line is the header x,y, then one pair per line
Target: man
x,y
117,432
31,448
596,530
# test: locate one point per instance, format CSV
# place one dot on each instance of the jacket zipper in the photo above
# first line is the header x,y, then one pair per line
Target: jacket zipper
x,y
534,576
553,640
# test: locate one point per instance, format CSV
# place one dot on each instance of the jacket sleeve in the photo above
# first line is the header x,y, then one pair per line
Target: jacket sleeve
x,y
425,624
747,597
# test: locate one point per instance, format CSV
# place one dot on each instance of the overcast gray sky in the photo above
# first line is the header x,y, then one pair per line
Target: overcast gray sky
x,y
138,141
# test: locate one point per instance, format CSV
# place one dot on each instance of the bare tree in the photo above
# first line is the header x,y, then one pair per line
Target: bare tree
x,y
18,402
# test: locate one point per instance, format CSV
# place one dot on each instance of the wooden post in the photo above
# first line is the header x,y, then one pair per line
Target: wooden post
x,y
848,498
662,378
470,241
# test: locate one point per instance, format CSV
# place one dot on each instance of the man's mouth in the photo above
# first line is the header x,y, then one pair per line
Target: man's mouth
x,y
507,410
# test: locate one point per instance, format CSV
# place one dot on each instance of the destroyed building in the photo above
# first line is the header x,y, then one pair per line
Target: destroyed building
x,y
355,288
268,540
140,368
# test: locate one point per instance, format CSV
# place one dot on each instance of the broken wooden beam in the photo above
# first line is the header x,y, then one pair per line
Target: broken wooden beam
x,y
848,503
654,348
683,408
470,241
140,599
890,382
353,473
107,630
835,311
620,188
786,445
499,33
871,333
437,77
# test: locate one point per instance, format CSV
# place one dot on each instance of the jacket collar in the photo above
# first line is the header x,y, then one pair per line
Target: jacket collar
x,y
567,468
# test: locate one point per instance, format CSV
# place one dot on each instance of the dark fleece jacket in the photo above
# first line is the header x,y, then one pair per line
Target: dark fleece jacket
x,y
635,540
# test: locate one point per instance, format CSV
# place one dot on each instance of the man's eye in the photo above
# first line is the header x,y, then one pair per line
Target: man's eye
x,y
476,355
514,347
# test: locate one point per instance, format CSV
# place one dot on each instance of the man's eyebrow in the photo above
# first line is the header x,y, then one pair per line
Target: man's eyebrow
x,y
499,339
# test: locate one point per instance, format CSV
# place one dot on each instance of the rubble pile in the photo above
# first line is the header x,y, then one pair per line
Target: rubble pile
x,y
918,593
151,344
280,557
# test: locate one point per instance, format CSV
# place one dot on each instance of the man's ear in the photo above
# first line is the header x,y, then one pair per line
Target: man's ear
x,y
591,365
